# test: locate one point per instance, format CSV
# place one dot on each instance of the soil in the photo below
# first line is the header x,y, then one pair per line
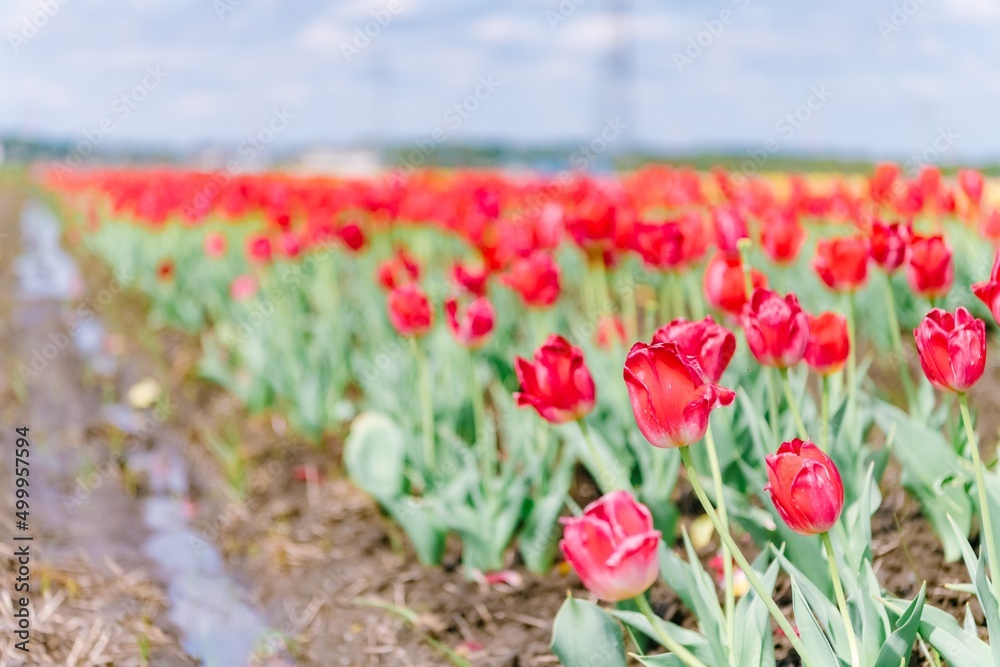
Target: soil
x,y
328,569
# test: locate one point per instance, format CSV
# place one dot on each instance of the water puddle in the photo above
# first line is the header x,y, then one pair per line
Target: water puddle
x,y
218,626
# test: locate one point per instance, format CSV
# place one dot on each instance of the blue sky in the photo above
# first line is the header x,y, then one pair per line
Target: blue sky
x,y
892,75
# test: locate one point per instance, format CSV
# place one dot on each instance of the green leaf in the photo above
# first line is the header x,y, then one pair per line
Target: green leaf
x,y
754,640
662,660
943,632
421,524
821,654
584,636
375,456
989,604
899,645
689,639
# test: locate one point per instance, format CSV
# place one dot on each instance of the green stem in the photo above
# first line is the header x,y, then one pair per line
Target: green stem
x,y
852,365
677,295
427,405
977,464
793,405
607,481
605,306
838,588
741,560
897,344
695,297
727,557
487,451
743,247
663,636
630,312
772,398
824,402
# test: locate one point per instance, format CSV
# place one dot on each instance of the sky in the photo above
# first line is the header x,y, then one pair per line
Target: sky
x,y
866,78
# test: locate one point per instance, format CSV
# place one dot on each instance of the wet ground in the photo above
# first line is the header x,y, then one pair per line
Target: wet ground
x,y
153,590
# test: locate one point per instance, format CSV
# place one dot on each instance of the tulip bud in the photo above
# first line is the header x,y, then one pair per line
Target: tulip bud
x,y
805,487
729,227
535,278
409,310
725,286
782,237
670,399
243,287
989,291
890,244
472,280
259,248
931,270
842,263
829,343
776,329
473,327
215,245
952,349
971,182
558,384
613,547
610,331
710,344
399,269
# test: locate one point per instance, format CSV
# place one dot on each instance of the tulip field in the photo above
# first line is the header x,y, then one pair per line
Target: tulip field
x,y
683,397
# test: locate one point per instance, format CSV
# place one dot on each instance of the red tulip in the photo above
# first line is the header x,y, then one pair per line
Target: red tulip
x,y
474,326
535,278
165,270
471,279
290,245
215,245
842,263
610,332
989,291
558,384
353,236
409,310
782,237
243,287
660,244
989,226
776,329
930,270
708,343
670,398
613,547
729,227
805,487
971,182
259,248
952,349
400,269
829,344
724,284
890,244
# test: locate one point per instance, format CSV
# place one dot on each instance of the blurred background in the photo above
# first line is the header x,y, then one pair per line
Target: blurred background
x,y
357,85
